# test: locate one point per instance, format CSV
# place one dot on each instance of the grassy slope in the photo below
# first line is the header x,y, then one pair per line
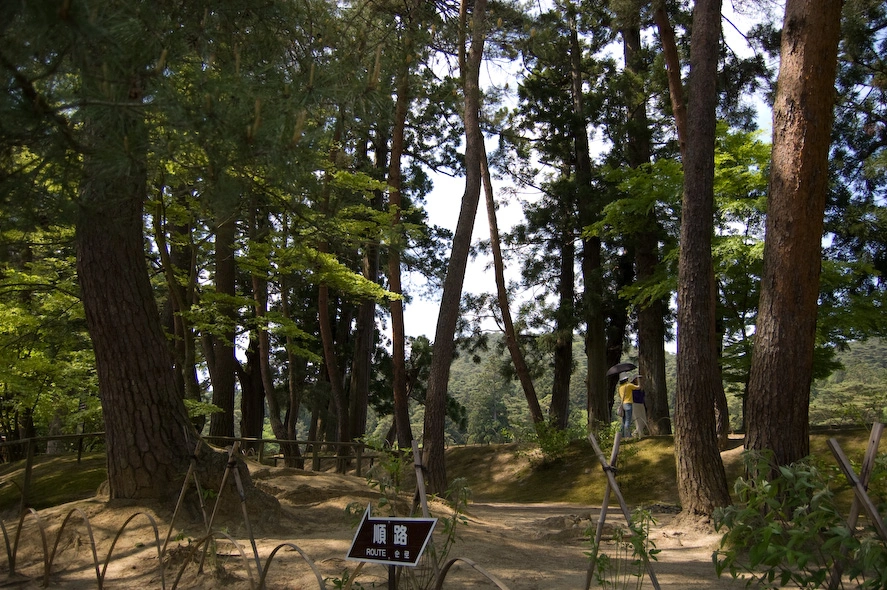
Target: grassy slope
x,y
54,480
495,473
645,471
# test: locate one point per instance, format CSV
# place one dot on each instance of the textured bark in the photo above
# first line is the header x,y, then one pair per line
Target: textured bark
x,y
673,72
444,335
146,426
702,483
782,361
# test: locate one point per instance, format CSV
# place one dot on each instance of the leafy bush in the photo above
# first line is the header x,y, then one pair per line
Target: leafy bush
x,y
786,530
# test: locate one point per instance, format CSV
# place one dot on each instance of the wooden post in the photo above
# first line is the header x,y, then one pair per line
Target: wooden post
x,y
358,455
858,489
603,515
29,465
868,464
611,479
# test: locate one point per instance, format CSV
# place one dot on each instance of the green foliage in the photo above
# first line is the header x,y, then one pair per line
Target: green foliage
x,y
200,408
620,562
553,442
786,530
46,358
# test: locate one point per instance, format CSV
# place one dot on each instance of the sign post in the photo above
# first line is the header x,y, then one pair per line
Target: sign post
x,y
391,541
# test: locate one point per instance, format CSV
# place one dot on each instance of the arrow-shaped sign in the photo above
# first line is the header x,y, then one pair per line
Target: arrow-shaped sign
x,y
391,541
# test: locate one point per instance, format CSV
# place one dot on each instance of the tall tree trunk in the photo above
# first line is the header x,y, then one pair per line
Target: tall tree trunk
x,y
326,319
177,260
562,370
285,427
398,335
444,336
361,364
225,365
782,361
702,482
673,72
252,394
147,428
596,406
617,321
331,362
511,341
401,423
650,316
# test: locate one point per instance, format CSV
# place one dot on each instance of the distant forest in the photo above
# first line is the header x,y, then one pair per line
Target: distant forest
x,y
492,408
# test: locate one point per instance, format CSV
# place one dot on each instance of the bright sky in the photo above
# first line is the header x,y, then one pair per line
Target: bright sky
x,y
444,202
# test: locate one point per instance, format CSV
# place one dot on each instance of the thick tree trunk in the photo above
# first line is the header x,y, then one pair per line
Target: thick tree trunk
x,y
702,482
148,435
444,335
782,361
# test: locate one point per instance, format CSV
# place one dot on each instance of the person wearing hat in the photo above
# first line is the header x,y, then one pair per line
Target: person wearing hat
x,y
626,396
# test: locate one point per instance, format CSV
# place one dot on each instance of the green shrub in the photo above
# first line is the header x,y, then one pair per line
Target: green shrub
x,y
786,530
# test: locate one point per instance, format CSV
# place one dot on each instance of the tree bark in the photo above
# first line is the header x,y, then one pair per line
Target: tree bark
x,y
782,360
402,425
673,72
225,365
444,336
702,482
596,407
562,371
148,435
511,341
651,315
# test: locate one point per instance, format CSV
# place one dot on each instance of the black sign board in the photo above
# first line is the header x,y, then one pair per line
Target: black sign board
x,y
391,541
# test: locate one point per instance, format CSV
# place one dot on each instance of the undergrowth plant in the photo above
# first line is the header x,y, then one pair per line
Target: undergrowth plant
x,y
621,562
787,531
553,442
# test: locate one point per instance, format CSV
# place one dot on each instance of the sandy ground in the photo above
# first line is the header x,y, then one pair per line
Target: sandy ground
x,y
524,546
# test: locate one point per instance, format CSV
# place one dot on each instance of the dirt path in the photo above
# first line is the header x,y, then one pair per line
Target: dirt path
x,y
525,546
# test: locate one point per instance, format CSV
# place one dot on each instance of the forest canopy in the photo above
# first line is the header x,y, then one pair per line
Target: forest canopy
x,y
219,211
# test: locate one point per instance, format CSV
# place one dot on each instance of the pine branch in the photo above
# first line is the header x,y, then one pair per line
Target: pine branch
x,y
40,105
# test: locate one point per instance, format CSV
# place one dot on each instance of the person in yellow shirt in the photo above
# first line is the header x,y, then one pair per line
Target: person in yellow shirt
x,y
626,395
